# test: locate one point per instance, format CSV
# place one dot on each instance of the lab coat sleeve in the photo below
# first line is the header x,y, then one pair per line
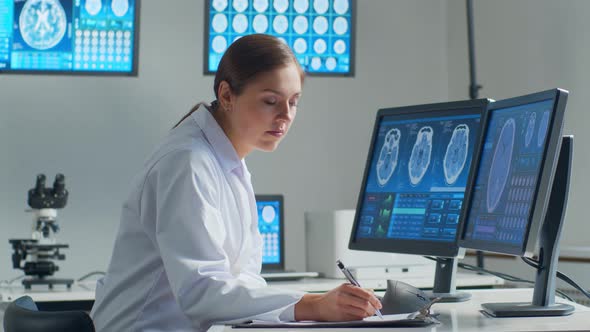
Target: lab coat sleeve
x,y
190,234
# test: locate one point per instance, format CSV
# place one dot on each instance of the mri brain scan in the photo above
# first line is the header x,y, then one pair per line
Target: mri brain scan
x,y
268,214
421,153
501,162
93,7
530,128
120,7
456,154
543,129
388,156
42,23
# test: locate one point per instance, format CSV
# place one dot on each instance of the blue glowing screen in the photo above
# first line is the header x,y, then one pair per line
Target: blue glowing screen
x,y
318,31
67,35
417,178
508,173
270,228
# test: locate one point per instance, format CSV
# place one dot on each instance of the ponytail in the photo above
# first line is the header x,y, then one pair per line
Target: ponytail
x,y
212,107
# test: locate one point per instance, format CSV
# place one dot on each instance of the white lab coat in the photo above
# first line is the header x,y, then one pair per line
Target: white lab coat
x,y
188,251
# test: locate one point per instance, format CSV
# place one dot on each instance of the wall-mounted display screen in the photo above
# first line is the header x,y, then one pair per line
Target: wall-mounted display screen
x,y
320,32
69,36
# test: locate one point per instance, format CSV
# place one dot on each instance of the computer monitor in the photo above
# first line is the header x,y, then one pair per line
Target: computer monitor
x,y
516,200
271,227
320,32
418,168
69,36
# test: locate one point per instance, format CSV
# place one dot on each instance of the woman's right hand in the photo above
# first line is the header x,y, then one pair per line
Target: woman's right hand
x,y
343,303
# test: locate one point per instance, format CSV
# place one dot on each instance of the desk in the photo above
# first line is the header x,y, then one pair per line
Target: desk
x,y
465,316
81,294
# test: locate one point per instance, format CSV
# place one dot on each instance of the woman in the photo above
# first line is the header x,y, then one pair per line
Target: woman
x,y
188,252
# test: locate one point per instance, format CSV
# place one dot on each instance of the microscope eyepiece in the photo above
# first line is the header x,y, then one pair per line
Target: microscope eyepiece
x,y
40,185
59,185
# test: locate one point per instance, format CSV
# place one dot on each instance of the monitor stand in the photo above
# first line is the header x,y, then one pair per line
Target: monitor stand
x,y
444,282
544,294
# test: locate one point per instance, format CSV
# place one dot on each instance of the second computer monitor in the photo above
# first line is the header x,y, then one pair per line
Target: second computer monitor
x,y
415,177
514,174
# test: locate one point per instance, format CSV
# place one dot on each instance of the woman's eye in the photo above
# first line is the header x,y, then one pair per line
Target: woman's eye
x,y
270,101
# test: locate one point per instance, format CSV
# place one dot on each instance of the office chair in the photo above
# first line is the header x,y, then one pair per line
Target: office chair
x,y
22,315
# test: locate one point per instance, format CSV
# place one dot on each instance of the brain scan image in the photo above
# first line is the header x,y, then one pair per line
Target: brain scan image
x,y
120,7
93,7
530,128
501,162
543,129
456,154
421,153
388,157
268,214
42,23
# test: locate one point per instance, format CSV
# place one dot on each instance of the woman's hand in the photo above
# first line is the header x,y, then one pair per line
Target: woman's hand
x,y
343,303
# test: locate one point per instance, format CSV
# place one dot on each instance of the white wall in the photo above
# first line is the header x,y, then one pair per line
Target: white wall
x,y
525,46
98,130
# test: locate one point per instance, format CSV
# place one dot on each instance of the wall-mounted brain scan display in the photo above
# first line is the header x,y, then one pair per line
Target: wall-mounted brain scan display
x,y
68,36
320,32
456,154
507,174
418,170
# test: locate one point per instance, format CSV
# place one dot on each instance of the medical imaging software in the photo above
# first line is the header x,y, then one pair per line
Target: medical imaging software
x,y
417,178
67,35
508,173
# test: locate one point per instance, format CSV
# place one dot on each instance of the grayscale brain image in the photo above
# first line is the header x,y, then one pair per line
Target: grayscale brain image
x,y
456,153
420,157
388,157
501,164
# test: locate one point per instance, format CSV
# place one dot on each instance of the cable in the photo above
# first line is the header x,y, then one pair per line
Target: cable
x,y
499,275
9,282
88,275
535,264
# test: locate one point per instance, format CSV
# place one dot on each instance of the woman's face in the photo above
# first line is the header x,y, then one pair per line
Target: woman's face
x,y
261,116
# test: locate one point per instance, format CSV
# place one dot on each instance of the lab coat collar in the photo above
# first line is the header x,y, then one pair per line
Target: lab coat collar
x,y
224,150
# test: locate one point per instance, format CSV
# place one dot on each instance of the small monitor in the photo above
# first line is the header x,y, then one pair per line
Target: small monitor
x,y
69,36
320,32
514,189
270,225
415,178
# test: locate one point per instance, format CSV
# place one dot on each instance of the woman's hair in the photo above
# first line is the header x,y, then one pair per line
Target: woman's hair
x,y
245,59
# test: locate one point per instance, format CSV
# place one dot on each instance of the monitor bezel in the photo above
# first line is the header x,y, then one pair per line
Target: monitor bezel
x,y
416,247
134,68
281,200
547,172
350,73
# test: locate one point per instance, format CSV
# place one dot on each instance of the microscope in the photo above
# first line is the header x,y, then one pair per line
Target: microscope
x,y
35,255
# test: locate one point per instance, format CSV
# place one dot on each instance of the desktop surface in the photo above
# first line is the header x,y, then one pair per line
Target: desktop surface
x,y
466,316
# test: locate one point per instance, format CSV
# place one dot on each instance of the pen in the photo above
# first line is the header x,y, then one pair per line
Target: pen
x,y
353,281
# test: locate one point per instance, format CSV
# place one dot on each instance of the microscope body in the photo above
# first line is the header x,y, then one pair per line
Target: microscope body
x,y
35,255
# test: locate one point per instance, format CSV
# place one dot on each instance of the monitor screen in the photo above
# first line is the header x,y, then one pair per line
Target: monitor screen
x,y
320,32
270,226
511,183
69,36
415,178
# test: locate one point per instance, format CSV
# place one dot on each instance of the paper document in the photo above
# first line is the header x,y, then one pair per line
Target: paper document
x,y
398,320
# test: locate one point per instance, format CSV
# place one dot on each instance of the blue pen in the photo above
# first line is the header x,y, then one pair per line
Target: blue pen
x,y
353,281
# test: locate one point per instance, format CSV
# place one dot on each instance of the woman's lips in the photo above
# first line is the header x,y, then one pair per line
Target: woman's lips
x,y
276,133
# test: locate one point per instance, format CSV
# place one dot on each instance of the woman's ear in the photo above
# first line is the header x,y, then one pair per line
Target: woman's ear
x,y
225,96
